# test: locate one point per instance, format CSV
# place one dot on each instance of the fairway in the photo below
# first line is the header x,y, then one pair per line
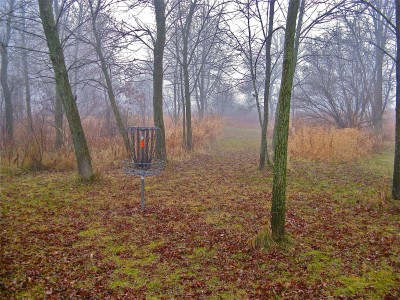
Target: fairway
x,y
61,238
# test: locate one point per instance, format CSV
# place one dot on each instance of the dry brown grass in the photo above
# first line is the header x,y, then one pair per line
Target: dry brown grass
x,y
330,144
36,152
203,134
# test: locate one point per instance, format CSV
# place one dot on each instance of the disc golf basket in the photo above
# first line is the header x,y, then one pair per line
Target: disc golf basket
x,y
143,159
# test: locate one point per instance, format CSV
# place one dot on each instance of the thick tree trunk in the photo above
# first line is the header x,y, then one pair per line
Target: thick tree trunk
x,y
396,169
58,106
110,90
4,77
158,74
297,46
64,89
267,86
278,207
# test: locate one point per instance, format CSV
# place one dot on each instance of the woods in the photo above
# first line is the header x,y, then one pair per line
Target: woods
x,y
276,120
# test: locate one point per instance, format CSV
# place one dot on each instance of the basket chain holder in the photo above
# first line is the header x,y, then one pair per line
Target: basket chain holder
x,y
143,159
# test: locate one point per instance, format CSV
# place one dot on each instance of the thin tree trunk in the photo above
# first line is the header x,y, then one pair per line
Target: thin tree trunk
x,y
64,88
4,77
158,74
188,108
59,120
378,94
185,66
267,86
26,71
176,94
107,77
278,206
396,169
76,50
183,110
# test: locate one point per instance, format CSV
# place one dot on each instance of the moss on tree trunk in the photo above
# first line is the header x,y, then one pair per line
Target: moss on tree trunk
x,y
278,207
64,89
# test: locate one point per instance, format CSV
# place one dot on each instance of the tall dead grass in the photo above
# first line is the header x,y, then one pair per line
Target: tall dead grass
x,y
330,144
203,132
36,151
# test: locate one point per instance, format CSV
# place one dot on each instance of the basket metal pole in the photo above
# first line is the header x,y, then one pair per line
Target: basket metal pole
x,y
142,190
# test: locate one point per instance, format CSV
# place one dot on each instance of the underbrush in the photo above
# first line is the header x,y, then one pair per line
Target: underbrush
x,y
35,151
203,132
330,144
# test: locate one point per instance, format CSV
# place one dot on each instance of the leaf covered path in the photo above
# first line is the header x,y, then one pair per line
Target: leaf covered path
x,y
63,239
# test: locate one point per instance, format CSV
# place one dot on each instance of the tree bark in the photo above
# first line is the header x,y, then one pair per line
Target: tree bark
x,y
158,76
58,121
380,34
297,45
107,77
64,89
185,67
4,77
58,107
396,169
267,86
278,206
26,71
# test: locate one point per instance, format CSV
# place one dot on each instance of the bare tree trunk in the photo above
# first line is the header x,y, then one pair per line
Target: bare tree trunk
x,y
183,110
4,77
297,45
64,88
278,206
104,69
176,94
396,169
58,107
76,50
267,86
26,71
59,120
188,105
378,94
380,34
158,74
185,67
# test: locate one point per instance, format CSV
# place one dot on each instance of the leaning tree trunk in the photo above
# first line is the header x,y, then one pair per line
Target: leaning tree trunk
x,y
64,89
107,77
264,144
280,159
4,77
396,169
158,74
58,106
